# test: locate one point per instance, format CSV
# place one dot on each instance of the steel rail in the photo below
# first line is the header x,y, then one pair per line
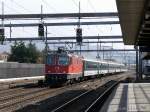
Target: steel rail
x,y
71,101
63,106
97,104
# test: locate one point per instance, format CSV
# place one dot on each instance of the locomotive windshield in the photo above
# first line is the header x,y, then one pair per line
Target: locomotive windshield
x,y
63,60
50,59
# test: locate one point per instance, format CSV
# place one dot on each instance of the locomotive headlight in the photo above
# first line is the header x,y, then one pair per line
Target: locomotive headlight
x,y
64,71
49,71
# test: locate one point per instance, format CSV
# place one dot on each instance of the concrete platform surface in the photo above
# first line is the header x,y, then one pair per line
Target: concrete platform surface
x,y
129,97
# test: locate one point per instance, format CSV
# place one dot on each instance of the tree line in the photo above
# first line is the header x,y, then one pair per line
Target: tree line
x,y
26,53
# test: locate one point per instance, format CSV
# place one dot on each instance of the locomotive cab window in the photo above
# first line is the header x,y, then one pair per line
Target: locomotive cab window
x,y
50,59
63,60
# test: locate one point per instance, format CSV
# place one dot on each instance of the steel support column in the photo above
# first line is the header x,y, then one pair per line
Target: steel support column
x,y
140,65
137,63
46,47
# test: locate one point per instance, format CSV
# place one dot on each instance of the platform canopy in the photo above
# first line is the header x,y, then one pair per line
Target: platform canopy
x,y
134,17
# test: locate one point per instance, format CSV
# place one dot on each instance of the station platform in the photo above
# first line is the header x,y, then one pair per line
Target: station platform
x,y
129,97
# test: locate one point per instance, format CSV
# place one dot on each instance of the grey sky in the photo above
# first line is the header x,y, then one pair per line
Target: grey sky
x,y
61,6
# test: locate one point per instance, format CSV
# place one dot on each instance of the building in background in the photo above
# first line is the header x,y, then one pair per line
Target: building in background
x,y
4,57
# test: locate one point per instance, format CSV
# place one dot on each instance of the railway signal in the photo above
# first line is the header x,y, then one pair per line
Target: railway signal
x,y
41,30
2,35
79,35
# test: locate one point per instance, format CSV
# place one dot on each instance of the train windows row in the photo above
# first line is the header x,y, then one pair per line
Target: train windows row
x,y
62,60
93,66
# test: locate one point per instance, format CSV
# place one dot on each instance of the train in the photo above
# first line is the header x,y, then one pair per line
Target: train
x,y
146,70
62,66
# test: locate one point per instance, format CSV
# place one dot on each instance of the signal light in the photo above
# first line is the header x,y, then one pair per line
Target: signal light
x,y
41,30
79,35
2,35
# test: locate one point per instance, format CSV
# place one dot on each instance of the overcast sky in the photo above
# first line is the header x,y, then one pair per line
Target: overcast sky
x,y
61,6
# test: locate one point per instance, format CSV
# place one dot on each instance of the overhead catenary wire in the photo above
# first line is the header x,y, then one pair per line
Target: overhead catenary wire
x,y
11,8
4,5
50,7
58,32
27,10
91,5
94,11
77,5
96,25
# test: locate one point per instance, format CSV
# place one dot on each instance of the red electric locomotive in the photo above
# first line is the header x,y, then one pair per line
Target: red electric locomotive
x,y
62,66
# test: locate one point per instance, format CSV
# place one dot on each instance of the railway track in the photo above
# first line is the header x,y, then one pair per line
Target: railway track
x,y
12,92
97,104
8,91
83,102
20,93
13,102
18,97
